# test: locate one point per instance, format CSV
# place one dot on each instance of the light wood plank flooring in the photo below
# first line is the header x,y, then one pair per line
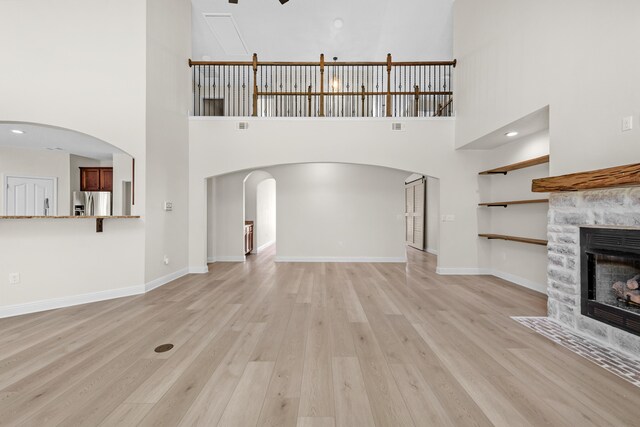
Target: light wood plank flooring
x,y
325,345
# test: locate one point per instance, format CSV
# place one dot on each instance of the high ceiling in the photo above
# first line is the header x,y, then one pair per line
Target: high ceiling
x,y
302,29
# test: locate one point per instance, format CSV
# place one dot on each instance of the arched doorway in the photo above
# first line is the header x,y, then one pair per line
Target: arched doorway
x,y
259,213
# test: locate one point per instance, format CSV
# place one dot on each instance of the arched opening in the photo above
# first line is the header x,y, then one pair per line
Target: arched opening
x,y
259,216
53,171
326,212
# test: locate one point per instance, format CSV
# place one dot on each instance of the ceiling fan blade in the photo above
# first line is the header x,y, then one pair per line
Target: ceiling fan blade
x,y
283,1
233,1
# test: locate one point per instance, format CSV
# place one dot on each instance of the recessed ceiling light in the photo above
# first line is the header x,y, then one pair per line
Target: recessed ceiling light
x,y
17,131
510,134
338,23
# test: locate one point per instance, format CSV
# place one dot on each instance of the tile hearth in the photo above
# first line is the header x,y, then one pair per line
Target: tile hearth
x,y
610,359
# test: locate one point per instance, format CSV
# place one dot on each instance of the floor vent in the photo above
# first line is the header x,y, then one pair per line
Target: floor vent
x,y
243,126
163,348
397,126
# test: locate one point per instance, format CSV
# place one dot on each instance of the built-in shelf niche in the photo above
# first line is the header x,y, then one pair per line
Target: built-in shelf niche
x,y
504,170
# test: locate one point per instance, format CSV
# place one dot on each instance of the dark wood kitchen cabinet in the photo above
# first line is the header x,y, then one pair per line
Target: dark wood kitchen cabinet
x,y
96,179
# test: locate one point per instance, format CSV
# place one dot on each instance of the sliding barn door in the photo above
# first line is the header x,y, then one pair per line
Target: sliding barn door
x,y
415,208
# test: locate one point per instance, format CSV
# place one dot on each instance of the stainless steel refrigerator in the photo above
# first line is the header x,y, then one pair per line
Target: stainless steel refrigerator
x,y
92,203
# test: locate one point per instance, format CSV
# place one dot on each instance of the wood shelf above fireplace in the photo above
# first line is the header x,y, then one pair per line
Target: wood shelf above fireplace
x,y
515,166
513,202
619,176
514,239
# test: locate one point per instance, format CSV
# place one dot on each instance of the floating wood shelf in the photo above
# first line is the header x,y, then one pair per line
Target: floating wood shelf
x,y
513,202
99,219
521,165
602,178
515,239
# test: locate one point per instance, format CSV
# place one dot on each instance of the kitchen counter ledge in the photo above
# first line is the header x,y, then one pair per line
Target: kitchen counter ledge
x,y
99,219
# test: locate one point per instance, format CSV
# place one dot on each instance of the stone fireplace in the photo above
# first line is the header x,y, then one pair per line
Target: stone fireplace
x,y
595,308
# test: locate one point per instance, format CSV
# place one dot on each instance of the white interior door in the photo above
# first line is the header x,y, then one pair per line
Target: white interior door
x,y
30,196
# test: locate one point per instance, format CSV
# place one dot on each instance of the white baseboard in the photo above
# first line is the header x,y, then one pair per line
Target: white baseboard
x,y
156,283
341,259
448,271
199,270
62,302
230,259
50,304
520,281
211,259
432,251
263,247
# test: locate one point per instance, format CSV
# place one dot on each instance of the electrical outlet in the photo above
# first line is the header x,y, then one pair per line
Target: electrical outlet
x,y
14,278
168,206
165,260
627,123
448,218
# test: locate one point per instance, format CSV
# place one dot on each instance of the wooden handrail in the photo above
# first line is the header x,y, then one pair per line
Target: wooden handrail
x,y
263,93
328,64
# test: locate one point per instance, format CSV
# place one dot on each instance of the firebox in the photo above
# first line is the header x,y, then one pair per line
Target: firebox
x,y
610,276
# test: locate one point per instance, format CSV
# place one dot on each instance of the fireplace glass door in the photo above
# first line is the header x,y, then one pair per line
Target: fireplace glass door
x,y
610,276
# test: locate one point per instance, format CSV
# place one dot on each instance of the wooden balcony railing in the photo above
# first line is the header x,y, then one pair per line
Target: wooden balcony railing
x,y
322,89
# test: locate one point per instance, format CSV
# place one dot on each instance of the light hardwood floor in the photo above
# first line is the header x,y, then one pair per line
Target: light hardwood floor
x,y
311,345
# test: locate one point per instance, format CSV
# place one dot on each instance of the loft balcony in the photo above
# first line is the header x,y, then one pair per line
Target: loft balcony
x,y
322,89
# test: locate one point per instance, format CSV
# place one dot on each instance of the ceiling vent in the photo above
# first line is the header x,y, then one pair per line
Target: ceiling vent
x,y
243,126
397,126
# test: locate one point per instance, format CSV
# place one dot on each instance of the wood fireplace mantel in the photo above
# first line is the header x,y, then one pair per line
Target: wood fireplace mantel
x,y
618,176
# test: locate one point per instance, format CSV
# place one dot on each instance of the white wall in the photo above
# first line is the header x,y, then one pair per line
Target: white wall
x,y
66,95
36,163
342,211
433,215
265,214
425,146
167,102
228,211
325,211
516,56
212,237
521,263
137,51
